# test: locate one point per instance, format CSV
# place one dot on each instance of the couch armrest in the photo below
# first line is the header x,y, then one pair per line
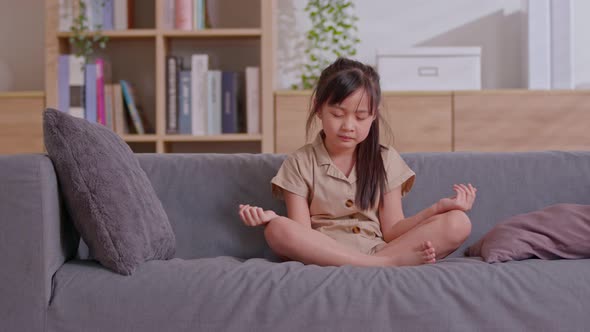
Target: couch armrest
x,y
35,240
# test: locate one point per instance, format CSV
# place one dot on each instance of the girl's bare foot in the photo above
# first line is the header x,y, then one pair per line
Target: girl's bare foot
x,y
423,254
428,252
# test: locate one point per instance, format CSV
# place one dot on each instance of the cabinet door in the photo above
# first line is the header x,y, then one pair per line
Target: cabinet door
x,y
21,125
291,113
419,122
522,121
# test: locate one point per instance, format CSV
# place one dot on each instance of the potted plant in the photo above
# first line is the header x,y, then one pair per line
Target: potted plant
x,y
333,34
84,40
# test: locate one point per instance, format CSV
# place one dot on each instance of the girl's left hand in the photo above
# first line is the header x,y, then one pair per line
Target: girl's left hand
x,y
463,200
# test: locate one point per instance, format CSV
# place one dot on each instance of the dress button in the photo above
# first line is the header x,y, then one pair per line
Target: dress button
x,y
349,203
356,230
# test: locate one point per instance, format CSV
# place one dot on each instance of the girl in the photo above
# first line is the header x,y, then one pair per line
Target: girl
x,y
343,191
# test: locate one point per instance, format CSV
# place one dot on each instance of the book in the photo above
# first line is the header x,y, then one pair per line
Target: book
x,y
183,10
100,109
121,15
66,15
252,100
90,93
185,118
229,91
202,15
169,14
214,102
129,103
120,120
76,74
108,106
95,14
108,15
172,69
199,67
63,83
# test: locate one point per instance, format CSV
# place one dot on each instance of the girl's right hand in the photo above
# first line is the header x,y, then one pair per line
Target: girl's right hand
x,y
254,216
463,200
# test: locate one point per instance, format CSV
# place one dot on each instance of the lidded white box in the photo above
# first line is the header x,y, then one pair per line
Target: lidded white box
x,y
430,68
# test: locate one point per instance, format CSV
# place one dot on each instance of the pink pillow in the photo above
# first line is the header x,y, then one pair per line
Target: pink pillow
x,y
557,231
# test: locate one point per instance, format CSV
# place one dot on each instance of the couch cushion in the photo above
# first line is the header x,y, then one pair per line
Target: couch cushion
x,y
557,231
228,294
107,194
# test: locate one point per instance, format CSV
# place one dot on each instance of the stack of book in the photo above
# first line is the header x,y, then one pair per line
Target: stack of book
x,y
185,14
200,101
100,14
86,91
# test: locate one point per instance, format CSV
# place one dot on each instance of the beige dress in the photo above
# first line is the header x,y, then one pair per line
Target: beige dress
x,y
310,173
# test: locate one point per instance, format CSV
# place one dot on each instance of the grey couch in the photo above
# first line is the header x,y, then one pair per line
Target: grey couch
x,y
225,278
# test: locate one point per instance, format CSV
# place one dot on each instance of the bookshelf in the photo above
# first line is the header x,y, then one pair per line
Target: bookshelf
x,y
243,36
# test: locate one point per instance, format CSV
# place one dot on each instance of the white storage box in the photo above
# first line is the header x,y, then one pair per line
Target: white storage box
x,y
430,68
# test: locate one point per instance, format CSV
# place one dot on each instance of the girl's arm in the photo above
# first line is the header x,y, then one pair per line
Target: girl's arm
x,y
297,208
391,215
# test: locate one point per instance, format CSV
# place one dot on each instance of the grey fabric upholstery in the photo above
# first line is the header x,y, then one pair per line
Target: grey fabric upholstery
x,y
107,194
245,290
35,240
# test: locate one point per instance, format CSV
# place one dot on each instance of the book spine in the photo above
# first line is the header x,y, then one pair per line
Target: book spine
x,y
107,17
183,14
120,120
131,108
95,14
108,106
201,16
253,100
195,14
120,14
66,15
169,15
90,93
214,101
171,94
200,64
63,83
185,120
230,116
76,107
100,111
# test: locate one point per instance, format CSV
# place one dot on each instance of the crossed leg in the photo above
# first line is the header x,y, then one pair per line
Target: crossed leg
x,y
290,239
447,231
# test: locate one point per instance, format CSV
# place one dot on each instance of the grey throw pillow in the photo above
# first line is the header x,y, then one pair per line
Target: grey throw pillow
x,y
557,231
107,195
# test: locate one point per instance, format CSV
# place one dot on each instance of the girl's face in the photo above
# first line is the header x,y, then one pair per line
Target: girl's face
x,y
348,123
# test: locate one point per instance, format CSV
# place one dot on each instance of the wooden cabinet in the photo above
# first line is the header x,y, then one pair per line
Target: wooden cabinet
x,y
418,121
494,120
522,120
21,122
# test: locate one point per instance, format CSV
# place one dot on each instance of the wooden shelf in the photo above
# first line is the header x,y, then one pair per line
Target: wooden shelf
x,y
214,138
137,33
136,53
140,138
214,33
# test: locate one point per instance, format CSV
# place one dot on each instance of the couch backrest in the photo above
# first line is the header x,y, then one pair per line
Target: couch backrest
x,y
201,192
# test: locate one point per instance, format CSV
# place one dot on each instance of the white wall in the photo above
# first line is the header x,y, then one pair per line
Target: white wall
x,y
581,44
497,26
493,25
